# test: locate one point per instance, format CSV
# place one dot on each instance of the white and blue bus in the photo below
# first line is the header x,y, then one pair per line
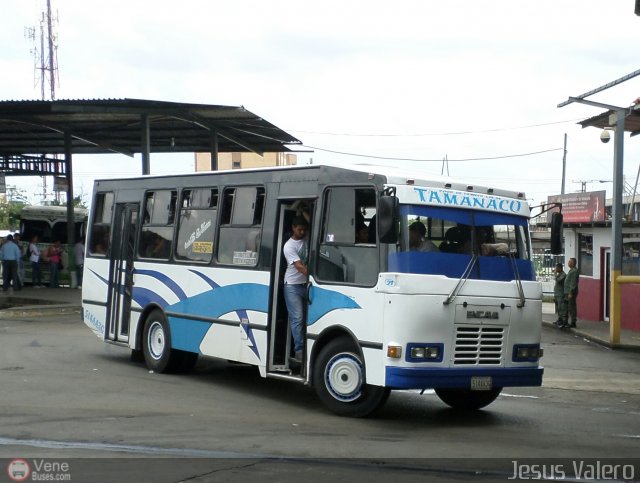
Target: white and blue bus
x,y
188,265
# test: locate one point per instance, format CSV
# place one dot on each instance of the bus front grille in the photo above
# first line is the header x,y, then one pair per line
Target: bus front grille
x,y
478,345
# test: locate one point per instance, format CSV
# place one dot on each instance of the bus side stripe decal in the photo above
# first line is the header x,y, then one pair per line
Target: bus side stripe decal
x,y
144,296
324,301
187,335
175,288
211,283
141,296
230,298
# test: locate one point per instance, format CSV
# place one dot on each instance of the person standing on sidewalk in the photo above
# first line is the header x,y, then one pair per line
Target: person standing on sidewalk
x,y
78,252
34,258
571,293
54,254
558,296
10,255
18,241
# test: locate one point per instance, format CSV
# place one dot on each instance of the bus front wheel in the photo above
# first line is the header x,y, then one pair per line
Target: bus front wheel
x,y
339,381
156,346
466,399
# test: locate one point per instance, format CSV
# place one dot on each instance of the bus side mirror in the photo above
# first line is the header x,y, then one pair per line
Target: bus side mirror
x,y
388,219
556,233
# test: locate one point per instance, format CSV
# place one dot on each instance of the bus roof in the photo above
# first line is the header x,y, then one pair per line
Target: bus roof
x,y
51,213
393,176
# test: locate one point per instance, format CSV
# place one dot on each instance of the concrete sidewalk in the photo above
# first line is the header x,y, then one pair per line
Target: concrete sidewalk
x,y
40,301
594,331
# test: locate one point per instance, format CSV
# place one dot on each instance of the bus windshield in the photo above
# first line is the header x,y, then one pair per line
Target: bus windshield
x,y
441,241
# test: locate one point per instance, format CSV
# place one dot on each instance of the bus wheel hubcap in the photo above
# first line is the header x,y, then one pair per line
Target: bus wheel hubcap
x,y
156,340
343,377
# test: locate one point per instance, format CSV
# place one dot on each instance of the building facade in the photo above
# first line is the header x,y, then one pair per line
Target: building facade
x,y
239,160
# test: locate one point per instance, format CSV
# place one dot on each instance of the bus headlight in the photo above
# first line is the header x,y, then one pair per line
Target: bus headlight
x,y
527,352
417,352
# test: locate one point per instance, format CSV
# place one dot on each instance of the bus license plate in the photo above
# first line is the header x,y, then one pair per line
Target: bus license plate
x,y
481,383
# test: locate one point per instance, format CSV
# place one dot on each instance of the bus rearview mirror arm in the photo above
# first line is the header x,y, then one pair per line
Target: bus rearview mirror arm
x,y
388,219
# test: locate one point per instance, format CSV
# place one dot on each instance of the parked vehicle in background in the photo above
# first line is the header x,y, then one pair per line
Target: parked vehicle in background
x,y
49,223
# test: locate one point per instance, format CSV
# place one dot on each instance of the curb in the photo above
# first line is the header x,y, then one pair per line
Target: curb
x,y
594,339
39,310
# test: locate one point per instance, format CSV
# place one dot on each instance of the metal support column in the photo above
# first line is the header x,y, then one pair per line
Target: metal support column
x,y
69,174
145,144
214,150
617,214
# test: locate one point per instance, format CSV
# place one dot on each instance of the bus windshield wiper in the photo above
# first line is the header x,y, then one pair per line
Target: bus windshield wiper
x,y
465,276
516,273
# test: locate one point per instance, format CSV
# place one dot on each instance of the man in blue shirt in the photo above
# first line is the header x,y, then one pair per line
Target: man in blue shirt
x,y
10,254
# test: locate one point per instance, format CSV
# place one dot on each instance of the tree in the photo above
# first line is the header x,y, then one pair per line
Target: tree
x,y
78,202
10,207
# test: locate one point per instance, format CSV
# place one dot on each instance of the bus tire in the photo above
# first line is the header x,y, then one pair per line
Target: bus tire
x,y
339,381
466,399
156,344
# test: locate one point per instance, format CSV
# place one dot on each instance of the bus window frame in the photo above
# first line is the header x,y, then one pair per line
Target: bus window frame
x,y
181,208
150,225
97,224
225,212
319,240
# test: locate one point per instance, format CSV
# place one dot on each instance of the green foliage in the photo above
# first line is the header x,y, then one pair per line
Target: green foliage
x,y
78,202
10,214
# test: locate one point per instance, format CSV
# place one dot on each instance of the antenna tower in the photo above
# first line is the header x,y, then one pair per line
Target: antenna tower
x,y
45,52
45,55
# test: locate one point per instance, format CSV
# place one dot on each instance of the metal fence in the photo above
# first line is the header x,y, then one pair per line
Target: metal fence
x,y
544,264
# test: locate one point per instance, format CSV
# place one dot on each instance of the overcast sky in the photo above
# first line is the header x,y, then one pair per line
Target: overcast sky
x,y
400,80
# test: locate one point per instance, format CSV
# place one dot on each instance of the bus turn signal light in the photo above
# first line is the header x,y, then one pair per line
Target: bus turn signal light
x,y
394,351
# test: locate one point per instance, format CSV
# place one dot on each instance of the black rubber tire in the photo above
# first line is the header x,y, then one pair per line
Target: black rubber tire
x,y
466,399
340,362
156,346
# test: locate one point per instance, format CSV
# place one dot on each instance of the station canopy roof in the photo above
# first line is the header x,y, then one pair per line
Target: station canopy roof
x,y
631,122
117,126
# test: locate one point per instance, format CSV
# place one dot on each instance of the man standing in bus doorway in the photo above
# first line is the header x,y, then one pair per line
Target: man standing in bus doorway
x,y
10,255
571,293
558,296
295,282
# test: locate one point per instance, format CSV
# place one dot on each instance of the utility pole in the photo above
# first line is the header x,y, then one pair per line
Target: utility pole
x,y
564,164
617,117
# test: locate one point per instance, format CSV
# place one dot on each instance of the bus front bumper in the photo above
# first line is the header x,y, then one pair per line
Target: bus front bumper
x,y
426,378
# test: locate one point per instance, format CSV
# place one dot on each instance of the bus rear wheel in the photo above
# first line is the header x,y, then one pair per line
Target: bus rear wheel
x,y
466,399
156,346
339,381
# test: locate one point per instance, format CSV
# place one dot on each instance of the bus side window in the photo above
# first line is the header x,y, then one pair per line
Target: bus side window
x,y
101,227
241,225
157,227
197,225
346,253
